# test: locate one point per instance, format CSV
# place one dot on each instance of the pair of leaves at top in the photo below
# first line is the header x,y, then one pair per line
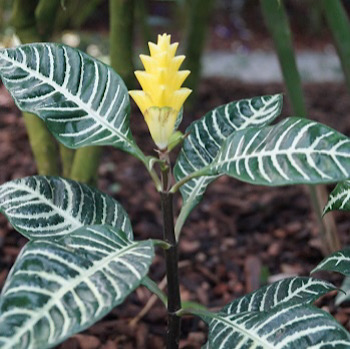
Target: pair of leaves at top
x,y
84,102
79,264
235,140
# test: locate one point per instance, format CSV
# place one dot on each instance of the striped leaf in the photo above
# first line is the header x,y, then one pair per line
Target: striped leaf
x,y
297,290
49,207
283,327
294,151
206,136
56,289
339,199
337,261
82,101
292,290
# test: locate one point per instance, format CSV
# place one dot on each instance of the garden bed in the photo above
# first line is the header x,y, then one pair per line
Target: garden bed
x,y
237,237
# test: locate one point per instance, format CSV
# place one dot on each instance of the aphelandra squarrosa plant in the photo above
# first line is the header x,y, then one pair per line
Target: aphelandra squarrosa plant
x,y
82,259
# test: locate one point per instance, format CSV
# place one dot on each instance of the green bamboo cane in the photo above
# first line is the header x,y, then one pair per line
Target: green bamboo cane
x,y
85,165
278,25
339,25
41,141
121,14
141,14
86,159
45,14
199,15
74,13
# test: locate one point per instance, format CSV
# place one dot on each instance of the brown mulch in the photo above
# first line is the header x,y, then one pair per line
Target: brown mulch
x,y
238,237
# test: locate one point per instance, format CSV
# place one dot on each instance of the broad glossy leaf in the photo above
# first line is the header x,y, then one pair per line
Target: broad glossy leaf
x,y
339,199
56,289
206,136
82,100
283,327
49,207
294,151
337,261
298,290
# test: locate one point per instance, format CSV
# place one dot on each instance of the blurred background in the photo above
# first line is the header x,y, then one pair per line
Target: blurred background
x,y
241,236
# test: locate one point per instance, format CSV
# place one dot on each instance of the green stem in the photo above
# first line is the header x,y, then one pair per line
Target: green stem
x,y
85,165
67,156
45,14
202,172
43,145
23,20
153,287
339,25
180,221
199,14
161,243
142,19
121,14
330,241
41,141
278,25
85,11
171,258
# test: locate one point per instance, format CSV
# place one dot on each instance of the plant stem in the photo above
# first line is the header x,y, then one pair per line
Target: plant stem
x,y
42,143
153,287
199,16
339,24
67,156
276,20
171,258
202,172
85,165
45,14
121,15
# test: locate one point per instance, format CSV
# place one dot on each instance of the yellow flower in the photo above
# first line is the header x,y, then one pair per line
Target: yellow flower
x,y
162,96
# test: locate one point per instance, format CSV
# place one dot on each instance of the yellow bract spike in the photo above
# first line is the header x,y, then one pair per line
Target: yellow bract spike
x,y
161,97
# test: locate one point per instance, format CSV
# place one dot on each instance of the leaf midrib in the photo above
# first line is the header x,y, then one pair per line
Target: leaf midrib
x,y
250,335
270,153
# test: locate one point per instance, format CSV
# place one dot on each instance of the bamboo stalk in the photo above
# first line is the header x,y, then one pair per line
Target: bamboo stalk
x,y
86,160
339,25
278,25
41,141
67,157
85,165
45,14
121,14
42,144
196,34
142,20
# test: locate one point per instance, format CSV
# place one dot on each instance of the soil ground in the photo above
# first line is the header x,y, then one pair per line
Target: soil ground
x,y
239,236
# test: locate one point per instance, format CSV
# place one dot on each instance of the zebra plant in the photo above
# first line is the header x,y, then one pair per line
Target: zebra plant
x,y
339,200
82,259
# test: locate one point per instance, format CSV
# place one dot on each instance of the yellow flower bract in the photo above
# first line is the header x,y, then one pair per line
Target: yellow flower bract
x,y
162,96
